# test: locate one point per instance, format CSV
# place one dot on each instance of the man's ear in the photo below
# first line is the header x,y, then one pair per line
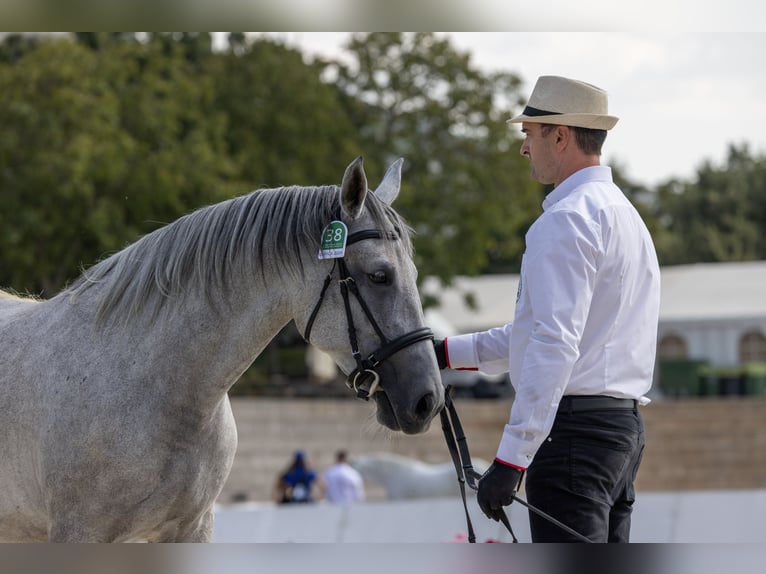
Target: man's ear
x,y
563,135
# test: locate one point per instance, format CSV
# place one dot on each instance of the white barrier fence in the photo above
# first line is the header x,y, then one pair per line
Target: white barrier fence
x,y
699,516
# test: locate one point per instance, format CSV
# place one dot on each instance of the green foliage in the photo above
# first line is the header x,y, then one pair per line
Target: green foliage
x,y
285,125
99,139
719,216
14,46
60,138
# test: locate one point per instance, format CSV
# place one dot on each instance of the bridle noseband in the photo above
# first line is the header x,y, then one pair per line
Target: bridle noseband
x,y
364,379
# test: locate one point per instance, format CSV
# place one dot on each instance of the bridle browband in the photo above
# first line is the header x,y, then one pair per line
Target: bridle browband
x,y
364,379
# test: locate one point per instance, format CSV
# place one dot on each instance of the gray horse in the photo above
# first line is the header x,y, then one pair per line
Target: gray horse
x,y
115,423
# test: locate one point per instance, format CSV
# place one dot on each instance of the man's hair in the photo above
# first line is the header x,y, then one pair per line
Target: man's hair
x,y
588,140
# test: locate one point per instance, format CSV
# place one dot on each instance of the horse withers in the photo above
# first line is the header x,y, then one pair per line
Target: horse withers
x,y
115,419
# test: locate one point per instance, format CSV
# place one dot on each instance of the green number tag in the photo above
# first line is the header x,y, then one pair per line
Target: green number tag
x,y
333,240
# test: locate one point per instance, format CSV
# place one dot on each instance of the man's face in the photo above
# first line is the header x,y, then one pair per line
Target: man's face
x,y
539,147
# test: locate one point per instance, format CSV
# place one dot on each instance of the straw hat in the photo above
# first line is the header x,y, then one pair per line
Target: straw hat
x,y
565,102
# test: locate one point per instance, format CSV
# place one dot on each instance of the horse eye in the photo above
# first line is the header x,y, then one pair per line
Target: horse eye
x,y
378,277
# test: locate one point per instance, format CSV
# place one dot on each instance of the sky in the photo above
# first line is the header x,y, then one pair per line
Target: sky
x,y
682,97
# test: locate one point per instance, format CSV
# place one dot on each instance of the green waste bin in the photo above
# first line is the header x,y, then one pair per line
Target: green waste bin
x,y
680,377
708,381
755,379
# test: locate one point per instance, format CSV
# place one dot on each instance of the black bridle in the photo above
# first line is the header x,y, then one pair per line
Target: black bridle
x,y
364,379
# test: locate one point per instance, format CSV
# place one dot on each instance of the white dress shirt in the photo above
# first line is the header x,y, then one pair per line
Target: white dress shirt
x,y
586,311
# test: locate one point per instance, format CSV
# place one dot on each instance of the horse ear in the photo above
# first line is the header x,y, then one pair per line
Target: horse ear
x,y
353,189
389,187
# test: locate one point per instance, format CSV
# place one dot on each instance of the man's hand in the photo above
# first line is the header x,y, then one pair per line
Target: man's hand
x,y
497,487
441,353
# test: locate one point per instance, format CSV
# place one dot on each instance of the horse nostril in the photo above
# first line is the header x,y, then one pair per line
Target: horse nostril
x,y
425,405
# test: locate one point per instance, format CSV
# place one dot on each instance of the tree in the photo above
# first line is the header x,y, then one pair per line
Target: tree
x,y
14,46
178,156
100,138
59,136
285,126
717,217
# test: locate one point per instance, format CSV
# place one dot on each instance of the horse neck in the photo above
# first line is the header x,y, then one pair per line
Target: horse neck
x,y
219,346
199,346
214,309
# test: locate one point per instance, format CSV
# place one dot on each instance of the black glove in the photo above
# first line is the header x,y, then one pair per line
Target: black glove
x,y
496,488
441,354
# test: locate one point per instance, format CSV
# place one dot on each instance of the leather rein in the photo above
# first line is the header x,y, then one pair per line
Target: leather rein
x,y
461,458
466,474
364,379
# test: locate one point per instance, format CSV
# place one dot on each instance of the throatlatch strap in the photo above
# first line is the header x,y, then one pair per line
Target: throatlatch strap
x,y
315,312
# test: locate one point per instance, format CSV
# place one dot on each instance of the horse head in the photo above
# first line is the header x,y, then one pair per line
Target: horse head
x,y
372,322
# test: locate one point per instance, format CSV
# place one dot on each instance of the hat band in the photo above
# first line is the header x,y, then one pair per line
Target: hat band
x,y
532,112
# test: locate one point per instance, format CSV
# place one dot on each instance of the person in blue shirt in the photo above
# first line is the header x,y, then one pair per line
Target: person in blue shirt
x,y
297,483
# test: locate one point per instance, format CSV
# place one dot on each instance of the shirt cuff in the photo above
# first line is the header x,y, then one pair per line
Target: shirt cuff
x,y
505,463
515,452
460,351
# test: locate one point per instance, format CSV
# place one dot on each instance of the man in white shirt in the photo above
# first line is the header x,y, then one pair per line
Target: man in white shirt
x,y
581,348
343,484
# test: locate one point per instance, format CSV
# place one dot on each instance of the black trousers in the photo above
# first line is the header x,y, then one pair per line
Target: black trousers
x,y
583,475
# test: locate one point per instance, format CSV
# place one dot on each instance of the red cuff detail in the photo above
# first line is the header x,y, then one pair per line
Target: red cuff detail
x,y
509,464
446,352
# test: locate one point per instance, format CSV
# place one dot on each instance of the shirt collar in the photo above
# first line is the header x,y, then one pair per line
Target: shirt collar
x,y
578,178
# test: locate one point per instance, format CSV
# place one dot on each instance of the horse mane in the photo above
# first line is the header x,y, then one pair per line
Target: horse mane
x,y
265,231
7,295
14,296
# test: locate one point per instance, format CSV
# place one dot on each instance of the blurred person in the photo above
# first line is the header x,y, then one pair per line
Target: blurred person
x,y
581,348
298,483
342,483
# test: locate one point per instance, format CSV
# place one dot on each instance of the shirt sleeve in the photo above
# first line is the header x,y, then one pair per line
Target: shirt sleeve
x,y
559,283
